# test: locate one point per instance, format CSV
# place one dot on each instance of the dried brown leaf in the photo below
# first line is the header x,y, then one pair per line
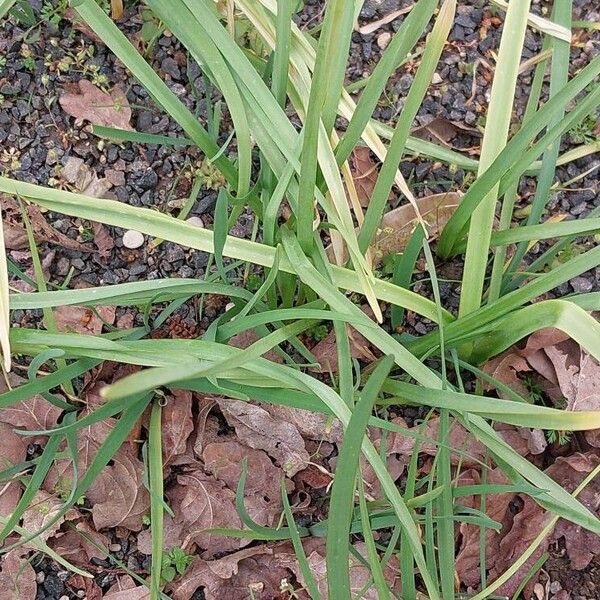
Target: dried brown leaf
x,y
75,544
17,578
90,103
443,130
127,589
326,350
177,424
248,573
364,172
315,426
44,508
118,496
247,338
397,225
84,179
13,450
505,368
81,319
103,240
201,502
258,429
582,545
90,588
262,492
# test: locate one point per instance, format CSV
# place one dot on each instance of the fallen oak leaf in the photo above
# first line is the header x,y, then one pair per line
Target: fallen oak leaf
x,y
90,103
43,508
82,319
118,495
126,589
256,427
200,502
17,578
13,451
236,577
443,130
364,173
262,492
177,424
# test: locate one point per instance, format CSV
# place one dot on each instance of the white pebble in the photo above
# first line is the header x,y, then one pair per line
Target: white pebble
x,y
196,221
229,306
436,79
133,239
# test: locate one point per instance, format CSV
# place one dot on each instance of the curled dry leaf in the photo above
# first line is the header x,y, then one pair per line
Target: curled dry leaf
x,y
262,492
84,179
90,103
127,589
235,577
315,426
582,545
364,172
82,319
15,234
258,429
13,450
326,350
33,414
247,338
201,502
177,424
44,508
75,544
398,225
17,578
505,368
91,590
444,131
103,240
118,495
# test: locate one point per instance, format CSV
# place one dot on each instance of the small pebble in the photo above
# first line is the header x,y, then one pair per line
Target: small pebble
x,y
384,39
436,79
40,577
133,239
229,306
196,221
555,587
115,547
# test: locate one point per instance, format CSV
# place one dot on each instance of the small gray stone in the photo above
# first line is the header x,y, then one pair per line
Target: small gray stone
x,y
581,285
133,239
170,67
147,180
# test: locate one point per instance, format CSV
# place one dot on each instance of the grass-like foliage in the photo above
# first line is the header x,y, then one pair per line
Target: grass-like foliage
x,y
274,162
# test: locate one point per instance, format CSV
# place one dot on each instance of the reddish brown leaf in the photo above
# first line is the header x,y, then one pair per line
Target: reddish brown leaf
x,y
177,424
258,429
262,491
201,502
118,496
364,173
81,319
13,450
99,108
247,338
326,350
582,545
44,508
91,589
17,578
443,130
505,368
75,545
127,589
251,572
103,240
